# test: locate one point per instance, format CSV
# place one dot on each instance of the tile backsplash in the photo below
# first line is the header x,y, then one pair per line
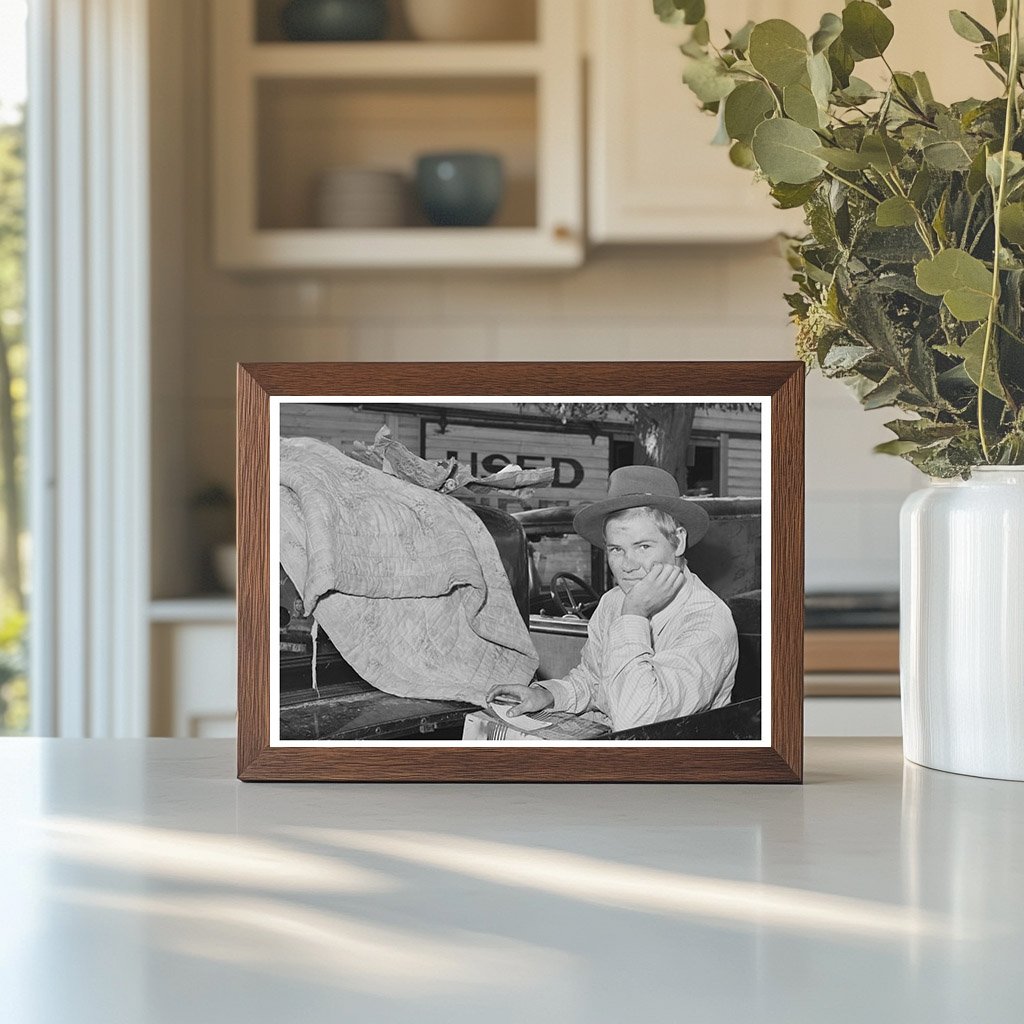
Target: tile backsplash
x,y
716,302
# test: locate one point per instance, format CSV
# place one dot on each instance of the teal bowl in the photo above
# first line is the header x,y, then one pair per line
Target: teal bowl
x,y
333,21
462,190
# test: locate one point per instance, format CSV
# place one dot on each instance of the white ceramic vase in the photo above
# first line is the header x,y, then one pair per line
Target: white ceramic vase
x,y
962,624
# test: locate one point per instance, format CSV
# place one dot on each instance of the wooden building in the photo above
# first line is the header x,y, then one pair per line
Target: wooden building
x,y
724,450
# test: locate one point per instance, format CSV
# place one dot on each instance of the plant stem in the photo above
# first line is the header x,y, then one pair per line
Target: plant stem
x,y
969,218
922,225
855,187
993,309
1012,334
768,86
908,101
981,231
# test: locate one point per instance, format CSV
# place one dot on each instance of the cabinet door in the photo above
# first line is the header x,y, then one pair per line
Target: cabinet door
x,y
654,175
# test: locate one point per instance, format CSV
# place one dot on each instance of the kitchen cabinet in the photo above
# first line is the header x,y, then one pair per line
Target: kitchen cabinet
x,y
653,175
287,113
852,682
193,673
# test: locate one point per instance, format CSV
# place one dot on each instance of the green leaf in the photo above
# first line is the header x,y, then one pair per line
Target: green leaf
x,y
743,67
921,186
739,41
883,153
923,431
694,11
844,159
967,304
939,220
822,222
968,28
707,80
921,369
745,108
858,91
841,359
668,12
906,89
924,88
785,152
866,29
778,50
830,29
997,53
885,394
1014,169
841,60
999,6
789,197
976,174
895,447
896,212
676,12
1012,223
742,155
971,352
963,281
701,33
946,156
800,105
820,76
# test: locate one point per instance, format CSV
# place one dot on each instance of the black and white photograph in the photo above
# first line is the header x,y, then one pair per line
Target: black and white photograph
x,y
530,570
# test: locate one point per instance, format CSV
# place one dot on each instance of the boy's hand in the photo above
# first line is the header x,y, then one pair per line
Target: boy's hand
x,y
654,591
524,699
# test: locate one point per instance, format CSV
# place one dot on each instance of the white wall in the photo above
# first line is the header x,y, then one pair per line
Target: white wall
x,y
718,302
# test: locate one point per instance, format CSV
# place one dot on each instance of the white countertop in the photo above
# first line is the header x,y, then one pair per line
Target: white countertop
x,y
143,884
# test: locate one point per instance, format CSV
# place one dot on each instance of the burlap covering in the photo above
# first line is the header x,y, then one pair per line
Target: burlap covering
x,y
406,582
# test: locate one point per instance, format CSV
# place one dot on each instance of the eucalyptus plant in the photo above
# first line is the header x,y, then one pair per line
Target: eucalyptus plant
x,y
910,277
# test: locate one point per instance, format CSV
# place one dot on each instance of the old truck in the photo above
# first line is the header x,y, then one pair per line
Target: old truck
x,y
557,578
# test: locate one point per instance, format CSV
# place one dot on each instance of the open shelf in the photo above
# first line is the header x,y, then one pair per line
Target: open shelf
x,y
288,113
520,17
308,127
405,248
393,60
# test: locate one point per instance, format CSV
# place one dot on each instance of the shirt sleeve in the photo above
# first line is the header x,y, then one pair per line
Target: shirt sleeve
x,y
577,692
687,676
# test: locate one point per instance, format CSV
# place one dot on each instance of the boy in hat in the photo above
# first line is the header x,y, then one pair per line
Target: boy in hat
x,y
660,644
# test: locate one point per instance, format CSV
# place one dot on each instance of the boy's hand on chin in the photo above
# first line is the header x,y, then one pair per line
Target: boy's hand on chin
x,y
654,591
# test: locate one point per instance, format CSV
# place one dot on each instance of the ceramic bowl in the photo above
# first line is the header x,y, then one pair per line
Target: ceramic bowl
x,y
460,189
334,20
471,20
360,197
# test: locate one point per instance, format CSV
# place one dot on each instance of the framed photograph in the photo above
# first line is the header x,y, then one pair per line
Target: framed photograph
x,y
515,572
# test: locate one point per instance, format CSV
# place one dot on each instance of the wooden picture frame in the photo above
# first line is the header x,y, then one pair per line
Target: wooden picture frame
x,y
778,754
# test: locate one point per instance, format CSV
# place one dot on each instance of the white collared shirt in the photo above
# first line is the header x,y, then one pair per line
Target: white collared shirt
x,y
638,671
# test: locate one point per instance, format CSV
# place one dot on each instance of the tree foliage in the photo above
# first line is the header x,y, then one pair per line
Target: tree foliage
x,y
661,430
13,408
13,392
910,277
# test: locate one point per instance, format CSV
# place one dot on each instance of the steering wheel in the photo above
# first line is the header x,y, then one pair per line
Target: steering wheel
x,y
566,591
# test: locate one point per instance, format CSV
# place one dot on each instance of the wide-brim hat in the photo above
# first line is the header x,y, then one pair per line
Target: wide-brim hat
x,y
633,487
